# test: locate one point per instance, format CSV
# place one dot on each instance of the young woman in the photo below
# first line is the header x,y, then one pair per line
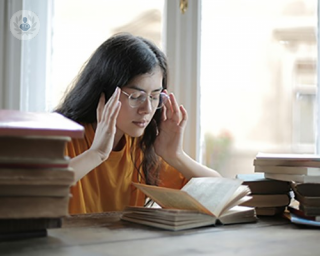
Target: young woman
x,y
133,127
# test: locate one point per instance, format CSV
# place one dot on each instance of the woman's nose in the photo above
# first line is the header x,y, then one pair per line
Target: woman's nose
x,y
146,106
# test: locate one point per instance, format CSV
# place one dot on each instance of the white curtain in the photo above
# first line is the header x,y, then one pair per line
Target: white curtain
x,y
318,88
24,64
10,57
36,59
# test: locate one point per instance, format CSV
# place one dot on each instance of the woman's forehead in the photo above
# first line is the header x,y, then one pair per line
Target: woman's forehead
x,y
147,82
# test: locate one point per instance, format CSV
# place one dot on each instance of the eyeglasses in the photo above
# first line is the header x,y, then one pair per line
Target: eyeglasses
x,y
138,98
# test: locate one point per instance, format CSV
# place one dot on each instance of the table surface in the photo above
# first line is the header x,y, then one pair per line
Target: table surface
x,y
106,234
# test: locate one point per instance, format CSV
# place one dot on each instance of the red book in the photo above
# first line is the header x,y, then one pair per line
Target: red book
x,y
35,140
19,123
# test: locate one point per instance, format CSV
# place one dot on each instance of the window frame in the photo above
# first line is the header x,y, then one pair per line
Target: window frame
x,y
182,46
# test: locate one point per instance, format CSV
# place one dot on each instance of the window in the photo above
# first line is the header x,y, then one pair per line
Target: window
x,y
79,27
258,80
255,80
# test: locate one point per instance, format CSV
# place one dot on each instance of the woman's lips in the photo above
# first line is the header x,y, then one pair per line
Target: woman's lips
x,y
141,124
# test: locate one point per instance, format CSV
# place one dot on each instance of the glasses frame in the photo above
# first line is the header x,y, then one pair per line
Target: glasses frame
x,y
148,97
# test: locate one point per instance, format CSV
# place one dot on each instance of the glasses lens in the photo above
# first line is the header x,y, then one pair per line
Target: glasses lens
x,y
137,98
157,100
162,100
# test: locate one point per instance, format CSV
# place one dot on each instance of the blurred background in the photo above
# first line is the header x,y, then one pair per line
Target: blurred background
x,y
258,77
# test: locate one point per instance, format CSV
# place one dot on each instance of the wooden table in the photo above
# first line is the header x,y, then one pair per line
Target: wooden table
x,y
105,234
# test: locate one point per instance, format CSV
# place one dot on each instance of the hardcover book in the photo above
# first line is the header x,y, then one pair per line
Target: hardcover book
x,y
19,123
286,159
295,210
272,200
288,156
269,211
22,225
306,189
313,201
21,207
310,210
32,148
300,178
36,182
288,169
34,139
258,184
294,218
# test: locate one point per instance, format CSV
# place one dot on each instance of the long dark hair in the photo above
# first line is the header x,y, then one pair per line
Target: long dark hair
x,y
114,64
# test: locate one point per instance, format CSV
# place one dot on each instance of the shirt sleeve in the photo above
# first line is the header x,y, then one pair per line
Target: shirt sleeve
x,y
171,178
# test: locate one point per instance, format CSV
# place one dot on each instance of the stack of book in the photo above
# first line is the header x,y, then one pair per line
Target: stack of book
x,y
303,173
306,204
301,168
35,177
269,197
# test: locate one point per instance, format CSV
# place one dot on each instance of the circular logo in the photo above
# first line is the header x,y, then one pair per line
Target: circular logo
x,y
24,25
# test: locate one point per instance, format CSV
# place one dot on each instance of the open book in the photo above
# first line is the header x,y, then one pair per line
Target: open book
x,y
201,202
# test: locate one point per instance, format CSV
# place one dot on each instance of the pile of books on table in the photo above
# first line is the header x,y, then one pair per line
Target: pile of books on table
x,y
303,173
305,208
35,177
269,197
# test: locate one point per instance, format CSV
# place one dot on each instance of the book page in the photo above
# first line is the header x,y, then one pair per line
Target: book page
x,y
172,198
240,196
214,193
238,214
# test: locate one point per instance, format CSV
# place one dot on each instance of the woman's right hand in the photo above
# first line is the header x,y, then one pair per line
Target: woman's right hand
x,y
104,137
107,114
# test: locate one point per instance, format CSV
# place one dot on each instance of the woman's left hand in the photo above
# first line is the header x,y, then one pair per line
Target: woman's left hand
x,y
169,142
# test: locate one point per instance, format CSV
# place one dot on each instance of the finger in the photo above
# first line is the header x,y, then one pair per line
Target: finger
x,y
175,108
111,105
168,107
163,114
100,107
114,116
184,120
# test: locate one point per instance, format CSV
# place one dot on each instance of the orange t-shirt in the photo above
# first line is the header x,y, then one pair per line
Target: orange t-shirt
x,y
108,187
